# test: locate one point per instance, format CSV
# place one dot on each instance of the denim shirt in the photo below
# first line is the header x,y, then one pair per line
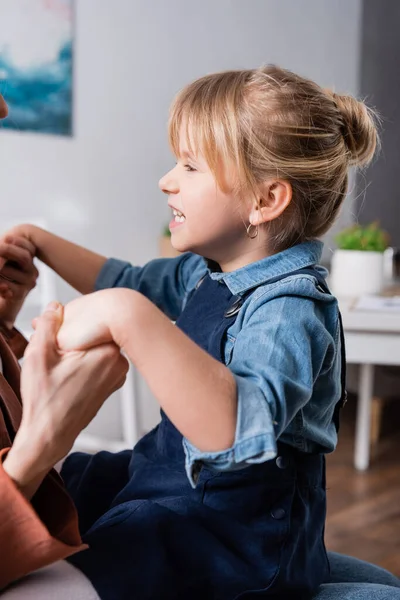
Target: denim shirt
x,y
283,349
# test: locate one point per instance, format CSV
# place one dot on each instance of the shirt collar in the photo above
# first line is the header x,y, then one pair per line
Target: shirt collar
x,y
259,272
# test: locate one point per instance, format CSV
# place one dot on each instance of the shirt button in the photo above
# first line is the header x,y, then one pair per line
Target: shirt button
x,y
196,470
278,513
282,462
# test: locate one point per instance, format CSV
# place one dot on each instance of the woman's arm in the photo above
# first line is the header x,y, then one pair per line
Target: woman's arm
x,y
61,393
31,534
22,468
76,265
197,392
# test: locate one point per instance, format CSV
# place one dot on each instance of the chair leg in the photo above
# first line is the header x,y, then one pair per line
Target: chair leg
x,y
376,419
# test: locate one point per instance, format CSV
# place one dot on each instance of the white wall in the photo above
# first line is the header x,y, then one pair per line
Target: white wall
x,y
99,188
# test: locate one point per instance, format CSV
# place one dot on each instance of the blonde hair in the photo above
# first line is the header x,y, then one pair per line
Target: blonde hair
x,y
272,123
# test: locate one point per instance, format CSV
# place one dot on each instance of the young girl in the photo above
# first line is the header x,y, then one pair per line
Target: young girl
x,y
225,498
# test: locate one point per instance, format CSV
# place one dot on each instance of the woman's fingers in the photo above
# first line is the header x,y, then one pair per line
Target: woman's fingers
x,y
5,290
121,368
12,274
11,252
109,360
22,242
110,366
43,345
18,273
10,241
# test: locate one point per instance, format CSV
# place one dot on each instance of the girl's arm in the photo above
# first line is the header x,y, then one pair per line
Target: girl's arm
x,y
76,265
165,281
197,392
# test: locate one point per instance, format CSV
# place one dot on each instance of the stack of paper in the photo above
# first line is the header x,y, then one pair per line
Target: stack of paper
x,y
378,303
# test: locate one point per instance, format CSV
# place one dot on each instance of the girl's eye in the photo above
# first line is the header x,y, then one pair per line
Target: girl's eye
x,y
189,168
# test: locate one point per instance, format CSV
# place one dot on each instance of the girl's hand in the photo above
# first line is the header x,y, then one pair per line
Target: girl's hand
x,y
97,318
61,393
87,321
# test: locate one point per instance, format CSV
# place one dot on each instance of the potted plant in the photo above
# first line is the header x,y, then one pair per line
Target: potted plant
x,y
358,263
165,248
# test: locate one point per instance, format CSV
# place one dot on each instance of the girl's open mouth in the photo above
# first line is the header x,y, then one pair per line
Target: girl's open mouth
x,y
178,218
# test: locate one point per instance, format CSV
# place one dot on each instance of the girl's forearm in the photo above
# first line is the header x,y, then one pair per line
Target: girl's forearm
x,y
76,265
197,392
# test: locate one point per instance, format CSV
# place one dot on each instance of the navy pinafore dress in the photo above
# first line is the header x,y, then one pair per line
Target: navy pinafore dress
x,y
254,532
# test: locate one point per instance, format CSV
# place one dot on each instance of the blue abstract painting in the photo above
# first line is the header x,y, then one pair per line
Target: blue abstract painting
x,y
36,57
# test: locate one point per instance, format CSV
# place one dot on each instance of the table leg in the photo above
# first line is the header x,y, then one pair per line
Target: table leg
x,y
363,423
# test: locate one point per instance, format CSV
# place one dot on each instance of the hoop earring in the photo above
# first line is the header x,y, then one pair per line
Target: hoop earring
x,y
252,234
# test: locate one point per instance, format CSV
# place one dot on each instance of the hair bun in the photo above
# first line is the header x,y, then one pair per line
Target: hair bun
x,y
359,128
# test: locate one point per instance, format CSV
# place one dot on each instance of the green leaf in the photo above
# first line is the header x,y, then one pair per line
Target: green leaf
x,y
368,238
166,232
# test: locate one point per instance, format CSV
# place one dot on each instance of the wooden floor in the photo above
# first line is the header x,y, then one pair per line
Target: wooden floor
x,y
364,508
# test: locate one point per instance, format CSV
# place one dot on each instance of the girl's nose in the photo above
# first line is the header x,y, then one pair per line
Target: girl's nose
x,y
169,183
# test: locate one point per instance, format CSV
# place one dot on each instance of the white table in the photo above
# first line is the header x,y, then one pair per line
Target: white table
x,y
372,338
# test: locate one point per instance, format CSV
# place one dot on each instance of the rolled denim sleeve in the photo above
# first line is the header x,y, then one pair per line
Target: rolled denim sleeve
x,y
255,440
276,359
164,281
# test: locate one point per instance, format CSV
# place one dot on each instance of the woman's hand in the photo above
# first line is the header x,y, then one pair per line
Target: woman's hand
x,y
18,276
61,393
76,265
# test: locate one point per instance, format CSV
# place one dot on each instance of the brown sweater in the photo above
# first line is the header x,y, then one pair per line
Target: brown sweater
x,y
32,535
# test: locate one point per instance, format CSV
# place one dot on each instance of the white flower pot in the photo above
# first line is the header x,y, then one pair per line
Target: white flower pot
x,y
354,273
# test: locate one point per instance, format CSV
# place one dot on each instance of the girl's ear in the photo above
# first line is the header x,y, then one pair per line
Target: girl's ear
x,y
275,197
